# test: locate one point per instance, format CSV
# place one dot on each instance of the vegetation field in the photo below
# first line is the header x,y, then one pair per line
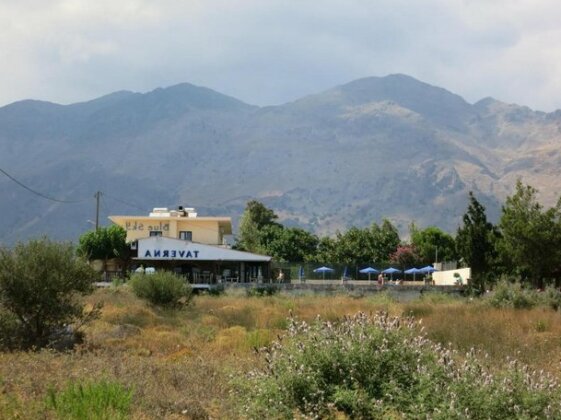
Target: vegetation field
x,y
187,363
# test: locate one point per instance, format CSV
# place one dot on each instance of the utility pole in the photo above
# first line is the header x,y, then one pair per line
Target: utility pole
x,y
97,196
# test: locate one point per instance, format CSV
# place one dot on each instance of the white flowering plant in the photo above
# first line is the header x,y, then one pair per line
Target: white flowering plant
x,y
378,366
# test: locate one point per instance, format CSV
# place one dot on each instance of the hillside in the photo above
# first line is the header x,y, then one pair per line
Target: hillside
x,y
389,147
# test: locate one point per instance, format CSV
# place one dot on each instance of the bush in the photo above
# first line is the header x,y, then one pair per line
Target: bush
x,y
217,290
513,295
117,282
101,400
551,297
163,288
383,367
40,283
266,290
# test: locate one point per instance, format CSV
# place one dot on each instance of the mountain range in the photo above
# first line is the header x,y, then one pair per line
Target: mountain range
x,y
380,147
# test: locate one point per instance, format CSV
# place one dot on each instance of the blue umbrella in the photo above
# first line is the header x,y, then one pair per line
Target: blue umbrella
x,y
413,271
324,270
391,271
428,269
369,271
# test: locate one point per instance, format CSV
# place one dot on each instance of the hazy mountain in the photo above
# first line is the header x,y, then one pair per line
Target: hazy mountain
x,y
390,147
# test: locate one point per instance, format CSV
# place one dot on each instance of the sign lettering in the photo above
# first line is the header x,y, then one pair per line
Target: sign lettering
x,y
171,253
152,227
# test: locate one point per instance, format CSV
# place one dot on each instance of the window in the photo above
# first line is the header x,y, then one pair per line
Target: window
x,y
186,235
156,233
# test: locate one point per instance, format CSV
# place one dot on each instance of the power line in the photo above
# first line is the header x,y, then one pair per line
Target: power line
x,y
97,195
46,197
124,202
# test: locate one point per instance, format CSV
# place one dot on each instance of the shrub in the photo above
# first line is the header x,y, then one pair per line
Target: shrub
x,y
217,290
97,400
551,297
40,283
162,288
266,290
117,281
512,295
383,367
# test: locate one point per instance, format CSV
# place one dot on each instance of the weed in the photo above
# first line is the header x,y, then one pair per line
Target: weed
x,y
418,310
541,325
259,338
95,400
117,282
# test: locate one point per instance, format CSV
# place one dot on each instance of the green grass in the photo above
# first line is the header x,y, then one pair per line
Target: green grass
x,y
95,400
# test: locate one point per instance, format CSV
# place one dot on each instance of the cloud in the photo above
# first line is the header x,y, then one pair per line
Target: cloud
x,y
269,52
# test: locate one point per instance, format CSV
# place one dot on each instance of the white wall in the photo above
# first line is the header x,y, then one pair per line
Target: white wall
x,y
446,278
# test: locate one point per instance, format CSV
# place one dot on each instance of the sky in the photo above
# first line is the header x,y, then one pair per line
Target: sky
x,y
268,52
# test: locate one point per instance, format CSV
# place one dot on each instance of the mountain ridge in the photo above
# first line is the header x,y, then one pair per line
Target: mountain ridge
x,y
377,147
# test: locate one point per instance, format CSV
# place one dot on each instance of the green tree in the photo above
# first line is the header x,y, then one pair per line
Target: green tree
x,y
353,247
431,241
360,246
531,236
105,243
385,240
40,283
254,218
289,244
326,251
476,243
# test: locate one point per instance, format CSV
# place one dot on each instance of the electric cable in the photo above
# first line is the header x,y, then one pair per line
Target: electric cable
x,y
46,197
124,202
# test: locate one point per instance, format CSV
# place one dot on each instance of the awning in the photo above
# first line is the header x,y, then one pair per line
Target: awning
x,y
160,248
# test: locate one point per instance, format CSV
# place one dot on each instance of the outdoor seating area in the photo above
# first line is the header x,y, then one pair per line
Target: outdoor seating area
x,y
383,276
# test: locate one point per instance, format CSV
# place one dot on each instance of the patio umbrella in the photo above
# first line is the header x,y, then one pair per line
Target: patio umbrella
x,y
369,271
324,270
413,271
428,269
301,273
345,273
391,271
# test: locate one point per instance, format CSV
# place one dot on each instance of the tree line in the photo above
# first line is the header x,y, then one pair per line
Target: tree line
x,y
525,244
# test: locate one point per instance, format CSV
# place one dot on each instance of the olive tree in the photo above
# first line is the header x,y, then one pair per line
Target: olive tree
x,y
40,286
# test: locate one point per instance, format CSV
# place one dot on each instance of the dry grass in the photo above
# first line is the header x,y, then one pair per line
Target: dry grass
x,y
179,362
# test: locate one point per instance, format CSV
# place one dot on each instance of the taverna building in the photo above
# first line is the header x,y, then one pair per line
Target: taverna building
x,y
182,241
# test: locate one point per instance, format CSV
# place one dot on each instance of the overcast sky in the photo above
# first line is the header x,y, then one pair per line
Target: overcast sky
x,y
268,52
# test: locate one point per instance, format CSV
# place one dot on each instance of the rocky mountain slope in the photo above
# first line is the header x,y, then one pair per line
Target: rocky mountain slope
x,y
390,147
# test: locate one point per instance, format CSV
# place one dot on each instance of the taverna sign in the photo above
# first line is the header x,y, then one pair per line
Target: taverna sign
x,y
163,248
170,253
